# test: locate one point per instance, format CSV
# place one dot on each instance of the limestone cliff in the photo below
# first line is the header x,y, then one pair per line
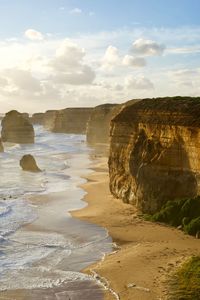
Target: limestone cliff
x,y
16,128
155,152
71,120
37,118
98,126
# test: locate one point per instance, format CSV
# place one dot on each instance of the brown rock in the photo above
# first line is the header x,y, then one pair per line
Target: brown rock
x,y
155,152
16,128
28,163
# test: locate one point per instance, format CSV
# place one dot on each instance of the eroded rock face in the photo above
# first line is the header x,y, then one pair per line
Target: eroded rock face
x,y
1,146
72,120
28,163
155,152
98,126
16,128
37,118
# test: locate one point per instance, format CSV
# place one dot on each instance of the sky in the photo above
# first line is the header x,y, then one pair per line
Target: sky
x,y
71,53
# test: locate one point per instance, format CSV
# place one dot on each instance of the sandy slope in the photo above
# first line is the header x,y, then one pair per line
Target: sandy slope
x,y
148,251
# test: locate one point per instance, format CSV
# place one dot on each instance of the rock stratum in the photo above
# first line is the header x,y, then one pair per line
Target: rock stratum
x,y
16,128
155,152
98,126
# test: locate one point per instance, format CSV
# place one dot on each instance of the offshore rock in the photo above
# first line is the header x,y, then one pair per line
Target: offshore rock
x,y
16,128
155,152
28,163
1,146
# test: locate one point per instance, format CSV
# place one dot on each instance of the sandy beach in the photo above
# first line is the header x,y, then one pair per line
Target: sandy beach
x,y
147,253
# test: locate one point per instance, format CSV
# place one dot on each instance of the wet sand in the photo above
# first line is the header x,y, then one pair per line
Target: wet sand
x,y
148,252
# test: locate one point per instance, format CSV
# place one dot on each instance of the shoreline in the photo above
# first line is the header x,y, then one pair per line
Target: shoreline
x,y
148,252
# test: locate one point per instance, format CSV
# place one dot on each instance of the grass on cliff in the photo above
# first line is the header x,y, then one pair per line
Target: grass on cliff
x,y
184,213
185,283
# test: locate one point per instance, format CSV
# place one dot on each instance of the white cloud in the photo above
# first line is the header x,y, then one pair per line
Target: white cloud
x,y
76,11
139,82
68,66
147,47
33,35
132,61
111,58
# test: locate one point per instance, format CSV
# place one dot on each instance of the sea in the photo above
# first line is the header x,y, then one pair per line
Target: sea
x,y
42,247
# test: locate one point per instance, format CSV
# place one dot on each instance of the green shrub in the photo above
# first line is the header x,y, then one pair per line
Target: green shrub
x,y
184,212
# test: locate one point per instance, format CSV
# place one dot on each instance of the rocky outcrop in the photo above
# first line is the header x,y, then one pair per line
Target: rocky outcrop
x,y
155,152
37,118
98,126
25,115
16,128
71,120
1,146
28,163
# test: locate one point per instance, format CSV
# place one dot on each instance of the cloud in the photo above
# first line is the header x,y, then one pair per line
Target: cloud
x,y
75,11
33,35
138,83
111,58
131,61
147,47
68,66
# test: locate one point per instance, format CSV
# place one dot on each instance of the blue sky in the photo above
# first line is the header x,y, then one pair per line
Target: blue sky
x,y
55,54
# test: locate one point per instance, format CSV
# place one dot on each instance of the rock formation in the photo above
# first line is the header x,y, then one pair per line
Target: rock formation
x,y
98,126
28,163
16,128
71,120
1,146
155,152
37,118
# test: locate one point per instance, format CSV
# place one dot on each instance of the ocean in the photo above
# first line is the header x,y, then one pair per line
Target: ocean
x,y
42,248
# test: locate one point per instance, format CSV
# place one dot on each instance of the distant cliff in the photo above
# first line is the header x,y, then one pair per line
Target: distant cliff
x,y
49,119
16,128
72,120
69,120
98,126
155,152
37,118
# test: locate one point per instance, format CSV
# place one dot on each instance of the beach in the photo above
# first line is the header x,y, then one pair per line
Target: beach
x,y
146,253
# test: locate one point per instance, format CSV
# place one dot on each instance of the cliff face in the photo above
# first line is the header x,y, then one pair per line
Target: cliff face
x,y
16,128
155,152
37,118
72,120
98,126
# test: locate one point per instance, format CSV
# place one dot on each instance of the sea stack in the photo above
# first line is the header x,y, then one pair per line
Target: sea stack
x,y
28,163
155,152
17,129
98,126
1,146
